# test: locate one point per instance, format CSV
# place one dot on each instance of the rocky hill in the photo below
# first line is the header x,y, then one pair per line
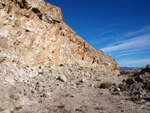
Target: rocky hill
x,y
32,32
138,84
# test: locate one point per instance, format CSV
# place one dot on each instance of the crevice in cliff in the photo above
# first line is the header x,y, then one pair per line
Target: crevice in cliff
x,y
93,61
37,12
22,4
9,9
2,5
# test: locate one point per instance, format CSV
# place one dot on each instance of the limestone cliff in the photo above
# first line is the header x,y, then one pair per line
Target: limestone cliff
x,y
33,32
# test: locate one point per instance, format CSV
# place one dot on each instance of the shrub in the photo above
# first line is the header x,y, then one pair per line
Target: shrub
x,y
79,110
106,85
61,65
61,106
12,96
18,108
41,73
134,99
32,91
50,71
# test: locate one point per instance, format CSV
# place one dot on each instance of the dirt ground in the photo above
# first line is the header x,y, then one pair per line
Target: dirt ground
x,y
86,97
64,90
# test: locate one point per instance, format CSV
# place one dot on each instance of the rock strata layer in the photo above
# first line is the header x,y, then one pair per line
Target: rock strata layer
x,y
32,32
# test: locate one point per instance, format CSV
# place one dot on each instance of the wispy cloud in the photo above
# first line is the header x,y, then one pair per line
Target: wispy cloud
x,y
142,30
132,61
101,36
131,53
139,42
130,46
106,32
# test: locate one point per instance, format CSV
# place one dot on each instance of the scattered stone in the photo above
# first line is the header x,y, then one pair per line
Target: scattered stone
x,y
10,80
7,105
62,78
137,85
73,96
91,85
24,101
83,80
33,74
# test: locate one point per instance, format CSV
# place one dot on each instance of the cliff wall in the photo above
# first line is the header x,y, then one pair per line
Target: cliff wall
x,y
33,32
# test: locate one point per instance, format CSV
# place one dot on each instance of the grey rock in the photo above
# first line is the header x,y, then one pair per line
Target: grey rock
x,y
10,79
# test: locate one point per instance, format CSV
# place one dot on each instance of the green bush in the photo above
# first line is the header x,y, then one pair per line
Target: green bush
x,y
32,91
11,96
18,108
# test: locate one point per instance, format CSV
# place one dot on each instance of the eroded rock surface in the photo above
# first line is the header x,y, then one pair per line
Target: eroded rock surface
x,y
41,58
33,32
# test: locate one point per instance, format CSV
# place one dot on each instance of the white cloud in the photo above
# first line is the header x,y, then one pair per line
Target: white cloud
x,y
139,42
127,47
106,32
139,61
99,36
132,53
143,30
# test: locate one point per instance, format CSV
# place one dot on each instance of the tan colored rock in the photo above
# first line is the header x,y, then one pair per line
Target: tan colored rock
x,y
3,99
62,78
32,32
7,105
84,80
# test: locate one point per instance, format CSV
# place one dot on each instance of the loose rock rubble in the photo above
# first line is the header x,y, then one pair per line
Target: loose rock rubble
x,y
42,91
137,86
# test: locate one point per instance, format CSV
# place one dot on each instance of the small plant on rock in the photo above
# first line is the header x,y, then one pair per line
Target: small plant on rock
x,y
106,85
18,108
61,106
61,65
50,71
41,73
79,110
32,91
12,96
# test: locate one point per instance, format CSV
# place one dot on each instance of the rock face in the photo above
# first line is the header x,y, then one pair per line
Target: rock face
x,y
32,32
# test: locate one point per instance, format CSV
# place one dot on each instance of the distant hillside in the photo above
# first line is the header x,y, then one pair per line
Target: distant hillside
x,y
130,68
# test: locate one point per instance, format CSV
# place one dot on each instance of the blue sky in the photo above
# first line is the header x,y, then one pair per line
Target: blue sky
x,y
121,28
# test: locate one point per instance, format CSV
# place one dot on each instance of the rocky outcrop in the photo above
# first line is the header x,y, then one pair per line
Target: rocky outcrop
x,y
32,32
138,84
